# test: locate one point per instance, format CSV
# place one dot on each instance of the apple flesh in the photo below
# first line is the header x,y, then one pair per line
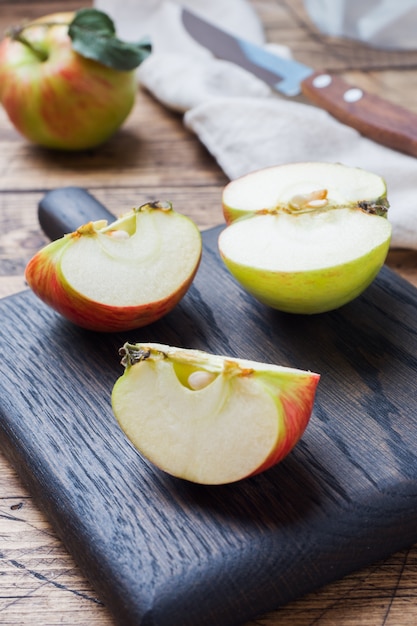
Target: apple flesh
x,y
305,237
119,276
66,101
207,418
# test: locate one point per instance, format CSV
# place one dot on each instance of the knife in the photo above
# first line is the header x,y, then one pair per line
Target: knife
x,y
379,119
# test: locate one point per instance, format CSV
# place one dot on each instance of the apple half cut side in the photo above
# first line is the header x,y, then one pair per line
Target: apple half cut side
x,y
305,237
120,276
207,418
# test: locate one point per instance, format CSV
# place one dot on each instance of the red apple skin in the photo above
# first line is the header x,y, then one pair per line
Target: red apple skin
x,y
297,400
67,102
48,284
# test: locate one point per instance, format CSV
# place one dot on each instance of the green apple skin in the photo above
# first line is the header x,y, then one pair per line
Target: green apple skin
x,y
266,193
243,422
314,291
45,277
66,102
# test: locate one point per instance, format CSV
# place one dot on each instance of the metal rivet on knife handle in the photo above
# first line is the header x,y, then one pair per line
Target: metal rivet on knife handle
x,y
322,80
353,95
379,119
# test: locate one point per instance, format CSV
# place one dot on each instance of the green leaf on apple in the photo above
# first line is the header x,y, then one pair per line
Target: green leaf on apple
x,y
93,35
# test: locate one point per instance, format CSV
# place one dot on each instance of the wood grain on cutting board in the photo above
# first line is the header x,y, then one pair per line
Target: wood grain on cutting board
x,y
164,551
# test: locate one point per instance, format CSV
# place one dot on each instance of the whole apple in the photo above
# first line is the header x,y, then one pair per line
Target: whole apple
x,y
58,84
210,419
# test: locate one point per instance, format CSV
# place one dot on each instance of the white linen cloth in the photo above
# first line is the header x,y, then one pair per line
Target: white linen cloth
x,y
242,122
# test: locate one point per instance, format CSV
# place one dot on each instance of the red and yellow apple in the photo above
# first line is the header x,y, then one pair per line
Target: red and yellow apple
x,y
207,418
56,97
119,276
305,237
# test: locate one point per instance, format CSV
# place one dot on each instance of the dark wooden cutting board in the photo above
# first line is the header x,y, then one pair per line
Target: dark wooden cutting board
x,y
163,552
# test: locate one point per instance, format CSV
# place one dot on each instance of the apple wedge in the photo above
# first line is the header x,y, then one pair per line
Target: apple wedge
x,y
120,276
305,237
207,418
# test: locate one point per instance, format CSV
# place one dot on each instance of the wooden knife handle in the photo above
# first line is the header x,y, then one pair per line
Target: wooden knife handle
x,y
374,117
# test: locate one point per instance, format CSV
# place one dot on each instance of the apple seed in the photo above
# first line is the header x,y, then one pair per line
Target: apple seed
x,y
314,200
200,379
118,234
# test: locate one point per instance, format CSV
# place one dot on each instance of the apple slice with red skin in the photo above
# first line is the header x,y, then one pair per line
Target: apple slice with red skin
x,y
120,276
207,418
305,237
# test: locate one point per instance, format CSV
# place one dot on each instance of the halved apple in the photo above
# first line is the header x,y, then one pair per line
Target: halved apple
x,y
119,276
207,418
305,237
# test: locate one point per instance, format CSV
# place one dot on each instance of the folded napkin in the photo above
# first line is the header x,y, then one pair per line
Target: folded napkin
x,y
243,124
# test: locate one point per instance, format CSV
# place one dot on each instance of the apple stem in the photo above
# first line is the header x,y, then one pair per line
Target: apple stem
x,y
131,354
16,33
162,205
374,208
17,36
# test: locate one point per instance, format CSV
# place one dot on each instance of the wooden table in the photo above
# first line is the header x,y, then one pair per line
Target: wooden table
x,y
154,157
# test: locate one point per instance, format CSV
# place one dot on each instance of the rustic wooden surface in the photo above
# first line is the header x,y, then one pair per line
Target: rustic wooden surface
x,y
155,157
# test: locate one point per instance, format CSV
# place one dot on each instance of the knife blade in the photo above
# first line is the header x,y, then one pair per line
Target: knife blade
x,y
371,115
